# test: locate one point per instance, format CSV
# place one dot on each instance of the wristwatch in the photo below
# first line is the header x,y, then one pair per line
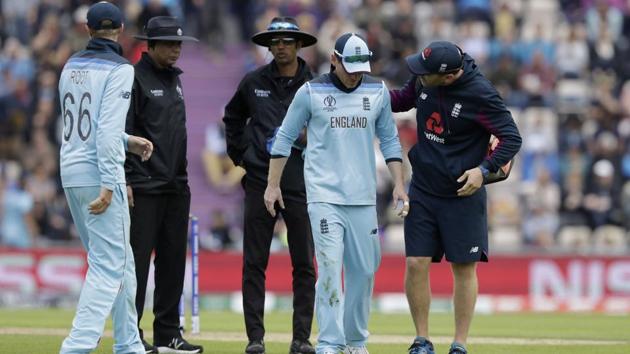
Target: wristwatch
x,y
484,171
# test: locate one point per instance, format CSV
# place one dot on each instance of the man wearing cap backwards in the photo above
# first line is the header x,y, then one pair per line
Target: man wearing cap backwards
x,y
94,88
158,191
343,111
263,97
457,111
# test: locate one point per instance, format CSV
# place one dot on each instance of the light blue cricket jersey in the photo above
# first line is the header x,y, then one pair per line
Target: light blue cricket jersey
x,y
95,90
341,126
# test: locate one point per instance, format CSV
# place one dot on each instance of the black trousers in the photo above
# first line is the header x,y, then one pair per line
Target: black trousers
x,y
258,233
160,223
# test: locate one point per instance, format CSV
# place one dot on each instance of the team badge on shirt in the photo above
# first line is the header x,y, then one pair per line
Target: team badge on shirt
x,y
366,103
456,110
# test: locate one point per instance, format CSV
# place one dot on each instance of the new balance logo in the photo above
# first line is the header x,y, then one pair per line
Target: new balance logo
x,y
176,343
423,96
366,104
374,232
323,226
474,250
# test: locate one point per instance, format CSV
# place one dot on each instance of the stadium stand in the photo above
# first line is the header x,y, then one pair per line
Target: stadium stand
x,y
562,66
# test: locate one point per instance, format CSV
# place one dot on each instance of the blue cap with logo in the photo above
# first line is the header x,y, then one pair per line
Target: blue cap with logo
x,y
104,15
440,57
353,52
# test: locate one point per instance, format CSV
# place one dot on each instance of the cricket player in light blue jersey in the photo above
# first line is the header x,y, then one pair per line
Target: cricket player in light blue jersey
x,y
95,90
343,111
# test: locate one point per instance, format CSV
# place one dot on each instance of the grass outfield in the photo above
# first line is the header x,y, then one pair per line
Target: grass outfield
x,y
41,331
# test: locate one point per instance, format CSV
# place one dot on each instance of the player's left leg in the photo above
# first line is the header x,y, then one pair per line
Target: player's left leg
x,y
124,316
464,298
463,225
362,257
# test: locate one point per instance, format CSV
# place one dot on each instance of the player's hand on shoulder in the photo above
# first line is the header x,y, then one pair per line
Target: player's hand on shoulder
x,y
100,204
273,195
473,179
140,146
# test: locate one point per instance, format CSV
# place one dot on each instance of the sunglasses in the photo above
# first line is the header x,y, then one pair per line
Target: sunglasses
x,y
276,41
363,58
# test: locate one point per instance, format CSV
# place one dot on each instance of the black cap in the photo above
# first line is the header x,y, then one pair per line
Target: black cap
x,y
104,15
164,28
439,57
283,26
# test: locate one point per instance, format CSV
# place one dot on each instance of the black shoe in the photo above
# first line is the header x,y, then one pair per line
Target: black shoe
x,y
179,346
299,346
421,347
457,348
256,346
148,348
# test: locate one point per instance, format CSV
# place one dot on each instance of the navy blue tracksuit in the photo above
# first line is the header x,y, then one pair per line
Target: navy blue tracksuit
x,y
454,126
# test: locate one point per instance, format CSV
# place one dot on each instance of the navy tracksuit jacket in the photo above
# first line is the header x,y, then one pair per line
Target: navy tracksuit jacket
x,y
454,127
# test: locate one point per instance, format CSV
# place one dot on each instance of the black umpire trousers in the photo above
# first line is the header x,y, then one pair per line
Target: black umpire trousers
x,y
160,222
258,233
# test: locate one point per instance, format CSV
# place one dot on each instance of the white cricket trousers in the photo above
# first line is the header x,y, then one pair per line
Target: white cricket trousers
x,y
346,238
110,282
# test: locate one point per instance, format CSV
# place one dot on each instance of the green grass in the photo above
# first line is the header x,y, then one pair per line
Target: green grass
x,y
527,326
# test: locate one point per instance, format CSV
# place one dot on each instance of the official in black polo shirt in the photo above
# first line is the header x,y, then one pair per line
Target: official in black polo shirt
x,y
252,118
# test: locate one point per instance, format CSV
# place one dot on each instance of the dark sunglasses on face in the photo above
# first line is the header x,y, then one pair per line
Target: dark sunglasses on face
x,y
364,58
276,41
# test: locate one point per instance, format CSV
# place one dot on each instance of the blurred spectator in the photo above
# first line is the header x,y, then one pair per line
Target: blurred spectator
x,y
603,18
572,56
371,11
505,21
49,45
602,52
537,80
539,47
602,199
474,40
477,10
572,204
152,8
542,202
16,18
16,224
504,75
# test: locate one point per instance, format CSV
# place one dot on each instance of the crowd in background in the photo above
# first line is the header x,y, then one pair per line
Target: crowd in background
x,y
561,66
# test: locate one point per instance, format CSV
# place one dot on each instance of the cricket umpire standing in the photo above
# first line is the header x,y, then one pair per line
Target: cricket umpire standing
x,y
457,111
158,191
252,118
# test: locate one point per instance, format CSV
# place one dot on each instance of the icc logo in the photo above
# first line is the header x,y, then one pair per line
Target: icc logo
x,y
329,103
434,123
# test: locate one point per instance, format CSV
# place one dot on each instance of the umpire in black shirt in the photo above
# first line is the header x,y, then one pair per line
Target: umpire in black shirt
x,y
158,190
252,118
